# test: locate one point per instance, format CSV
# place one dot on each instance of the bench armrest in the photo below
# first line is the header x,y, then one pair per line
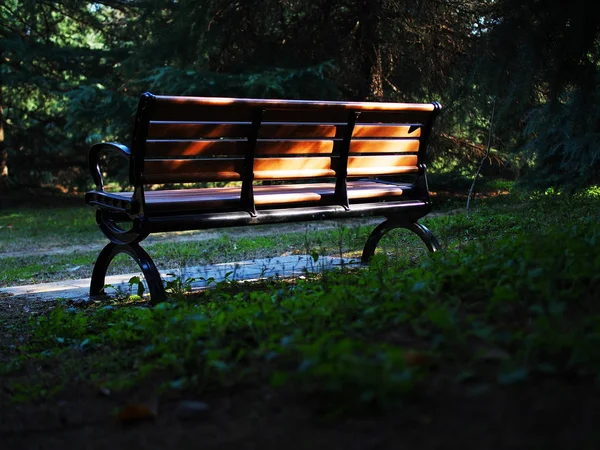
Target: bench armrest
x,y
93,159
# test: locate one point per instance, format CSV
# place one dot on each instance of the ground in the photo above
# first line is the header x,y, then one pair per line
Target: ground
x,y
550,415
553,412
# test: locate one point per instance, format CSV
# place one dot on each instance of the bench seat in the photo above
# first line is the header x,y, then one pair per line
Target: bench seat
x,y
217,199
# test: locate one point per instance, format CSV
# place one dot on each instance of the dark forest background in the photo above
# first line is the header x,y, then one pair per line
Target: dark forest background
x,y
72,72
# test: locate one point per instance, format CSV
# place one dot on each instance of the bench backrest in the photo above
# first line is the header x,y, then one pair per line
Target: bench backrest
x,y
193,139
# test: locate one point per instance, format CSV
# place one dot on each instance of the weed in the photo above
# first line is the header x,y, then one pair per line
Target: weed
x,y
504,304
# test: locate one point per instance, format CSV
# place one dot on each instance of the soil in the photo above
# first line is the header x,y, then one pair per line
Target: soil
x,y
547,415
539,418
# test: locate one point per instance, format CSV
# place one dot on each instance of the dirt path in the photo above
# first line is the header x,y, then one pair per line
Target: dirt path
x,y
203,235
195,236
98,244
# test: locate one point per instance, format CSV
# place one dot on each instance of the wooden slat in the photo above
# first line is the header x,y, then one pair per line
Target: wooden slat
x,y
294,147
320,116
290,168
207,148
251,103
384,146
313,116
168,201
184,171
278,130
185,109
217,148
369,190
381,165
400,116
169,108
190,171
195,130
299,193
240,110
387,131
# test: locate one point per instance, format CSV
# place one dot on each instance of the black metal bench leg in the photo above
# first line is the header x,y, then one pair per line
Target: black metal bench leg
x,y
155,285
383,228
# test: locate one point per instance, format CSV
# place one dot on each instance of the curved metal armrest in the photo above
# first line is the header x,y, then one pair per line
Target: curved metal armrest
x,y
93,160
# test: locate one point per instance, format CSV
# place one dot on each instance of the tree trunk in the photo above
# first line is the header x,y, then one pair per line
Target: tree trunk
x,y
371,61
376,78
3,151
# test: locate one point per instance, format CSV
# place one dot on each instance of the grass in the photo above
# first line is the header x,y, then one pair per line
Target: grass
x,y
72,231
230,245
46,227
69,241
511,301
51,224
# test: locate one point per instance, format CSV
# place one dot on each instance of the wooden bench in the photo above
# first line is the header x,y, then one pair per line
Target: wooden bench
x,y
293,161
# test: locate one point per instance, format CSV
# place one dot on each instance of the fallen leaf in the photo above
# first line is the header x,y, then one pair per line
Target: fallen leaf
x,y
132,412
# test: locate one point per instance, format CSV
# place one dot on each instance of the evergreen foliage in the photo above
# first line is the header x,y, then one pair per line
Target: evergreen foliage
x,y
72,72
540,59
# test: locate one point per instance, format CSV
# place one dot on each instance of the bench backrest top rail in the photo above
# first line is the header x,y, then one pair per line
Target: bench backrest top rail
x,y
168,108
292,104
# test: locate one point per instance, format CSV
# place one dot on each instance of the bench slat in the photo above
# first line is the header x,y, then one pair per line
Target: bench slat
x,y
215,148
387,130
341,116
168,201
230,102
238,147
230,169
274,130
192,130
293,168
294,147
231,147
384,146
381,165
278,130
240,110
196,130
191,171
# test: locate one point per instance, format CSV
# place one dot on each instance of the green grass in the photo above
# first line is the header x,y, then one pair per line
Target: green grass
x,y
60,228
232,245
48,227
512,299
346,240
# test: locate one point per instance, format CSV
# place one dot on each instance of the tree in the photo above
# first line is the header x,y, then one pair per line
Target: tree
x,y
72,71
542,60
50,49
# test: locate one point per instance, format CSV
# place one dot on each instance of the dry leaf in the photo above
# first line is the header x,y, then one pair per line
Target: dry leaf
x,y
132,412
